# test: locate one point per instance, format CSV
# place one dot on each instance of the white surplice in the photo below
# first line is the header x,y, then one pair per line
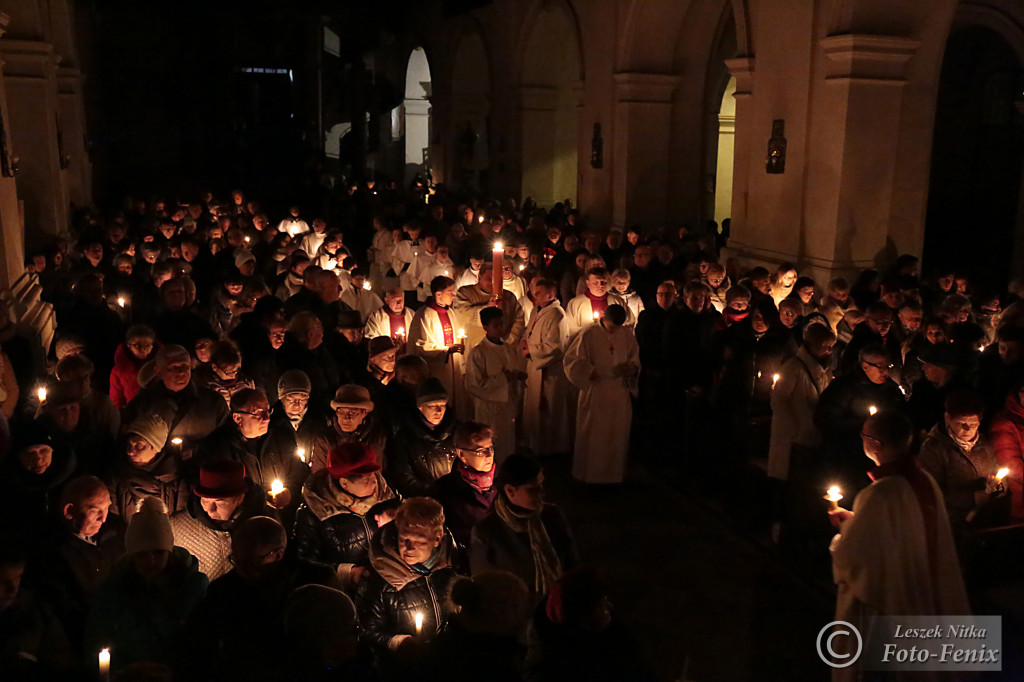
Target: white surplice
x,y
363,300
605,411
581,313
546,413
379,323
426,339
467,277
491,392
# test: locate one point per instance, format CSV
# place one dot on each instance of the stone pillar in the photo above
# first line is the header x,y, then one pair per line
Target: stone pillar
x,y
640,154
742,70
31,76
73,144
538,121
852,165
12,234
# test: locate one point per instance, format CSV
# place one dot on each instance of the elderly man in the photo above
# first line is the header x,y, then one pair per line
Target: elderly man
x,y
587,309
546,410
222,499
354,420
603,362
961,459
293,424
902,511
191,411
393,319
236,632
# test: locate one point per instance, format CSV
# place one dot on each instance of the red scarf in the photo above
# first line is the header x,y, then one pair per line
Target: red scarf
x,y
597,303
397,321
733,316
481,480
446,323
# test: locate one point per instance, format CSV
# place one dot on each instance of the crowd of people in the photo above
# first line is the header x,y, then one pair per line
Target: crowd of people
x,y
295,450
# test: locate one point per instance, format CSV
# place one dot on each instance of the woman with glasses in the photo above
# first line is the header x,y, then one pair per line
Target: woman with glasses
x,y
467,491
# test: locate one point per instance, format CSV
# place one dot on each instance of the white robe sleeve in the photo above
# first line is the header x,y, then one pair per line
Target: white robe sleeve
x,y
550,336
579,366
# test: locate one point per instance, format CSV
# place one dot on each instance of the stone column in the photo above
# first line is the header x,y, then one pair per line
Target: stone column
x,y
742,70
12,234
538,121
640,154
73,134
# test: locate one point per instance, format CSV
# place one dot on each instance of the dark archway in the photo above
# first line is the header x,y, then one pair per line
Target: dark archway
x,y
977,152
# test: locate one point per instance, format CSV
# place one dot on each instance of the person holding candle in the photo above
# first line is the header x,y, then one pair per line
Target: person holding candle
x,y
493,376
392,319
902,510
357,297
471,275
335,522
1007,434
141,608
471,300
433,336
421,448
581,310
405,261
963,462
603,362
148,469
292,422
410,567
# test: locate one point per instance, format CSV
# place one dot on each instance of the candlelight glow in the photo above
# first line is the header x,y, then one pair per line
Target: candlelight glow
x,y
247,240
176,441
445,273
301,454
367,286
872,410
121,301
834,494
597,316
331,264
276,488
481,219
522,267
400,332
498,247
41,393
104,661
775,379
461,334
1002,473
419,622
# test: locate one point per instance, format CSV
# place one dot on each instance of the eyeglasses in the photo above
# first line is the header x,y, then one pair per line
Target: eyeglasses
x,y
351,412
482,452
259,414
885,368
256,560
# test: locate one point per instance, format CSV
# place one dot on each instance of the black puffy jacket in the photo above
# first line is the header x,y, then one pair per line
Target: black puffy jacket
x,y
419,454
328,531
392,593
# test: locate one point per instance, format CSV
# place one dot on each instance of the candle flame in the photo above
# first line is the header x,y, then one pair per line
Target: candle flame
x,y
462,334
498,247
834,494
1002,473
121,302
367,286
872,410
247,240
276,488
522,267
301,454
481,219
419,622
401,331
775,379
41,393
597,316
176,441
445,273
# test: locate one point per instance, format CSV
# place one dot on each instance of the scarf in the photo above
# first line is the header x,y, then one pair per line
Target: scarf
x,y
547,567
396,322
446,323
597,303
733,316
359,505
380,375
297,421
965,445
480,480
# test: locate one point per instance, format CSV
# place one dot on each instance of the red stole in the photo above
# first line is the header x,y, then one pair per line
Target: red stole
x,y
597,303
397,321
446,323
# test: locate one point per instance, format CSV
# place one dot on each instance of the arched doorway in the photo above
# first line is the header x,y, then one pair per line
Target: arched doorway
x,y
470,105
726,153
416,115
551,86
974,187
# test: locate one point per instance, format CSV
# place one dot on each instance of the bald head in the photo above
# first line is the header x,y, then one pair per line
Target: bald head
x,y
257,545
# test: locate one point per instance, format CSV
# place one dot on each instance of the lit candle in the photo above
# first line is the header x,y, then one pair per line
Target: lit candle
x,y
833,497
41,393
276,488
480,219
247,240
522,266
331,264
177,442
1001,474
445,273
872,410
775,379
400,332
498,256
104,660
461,334
301,454
596,316
367,286
121,301
419,623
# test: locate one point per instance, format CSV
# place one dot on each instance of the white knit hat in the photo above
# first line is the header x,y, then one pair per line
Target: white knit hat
x,y
150,528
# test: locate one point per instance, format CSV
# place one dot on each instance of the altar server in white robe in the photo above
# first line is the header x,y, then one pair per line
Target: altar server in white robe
x,y
392,319
510,279
894,555
603,362
357,297
471,275
547,402
490,374
438,336
405,261
586,309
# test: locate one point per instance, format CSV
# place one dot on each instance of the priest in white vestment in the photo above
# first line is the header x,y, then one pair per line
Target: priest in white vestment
x,y
894,554
437,335
586,309
392,319
470,275
603,362
546,417
491,371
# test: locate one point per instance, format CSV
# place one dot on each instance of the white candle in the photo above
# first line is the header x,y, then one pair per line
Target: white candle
x,y
461,334
833,496
104,660
419,623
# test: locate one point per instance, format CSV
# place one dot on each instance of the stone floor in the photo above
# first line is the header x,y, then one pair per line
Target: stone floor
x,y
691,570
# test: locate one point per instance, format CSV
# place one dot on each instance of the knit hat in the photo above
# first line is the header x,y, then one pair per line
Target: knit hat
x,y
293,381
243,256
29,434
152,428
352,459
430,391
150,529
380,344
352,395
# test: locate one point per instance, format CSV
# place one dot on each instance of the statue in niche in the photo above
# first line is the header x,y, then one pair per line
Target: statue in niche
x,y
776,161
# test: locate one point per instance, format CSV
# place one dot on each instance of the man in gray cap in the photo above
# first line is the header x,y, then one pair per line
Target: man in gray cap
x,y
294,423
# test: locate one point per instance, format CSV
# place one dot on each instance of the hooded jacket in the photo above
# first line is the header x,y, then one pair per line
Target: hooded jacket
x,y
393,592
124,377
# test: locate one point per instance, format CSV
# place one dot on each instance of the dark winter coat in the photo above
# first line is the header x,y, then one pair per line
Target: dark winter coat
x,y
419,454
143,620
686,348
30,628
163,478
958,474
265,459
370,432
460,655
329,532
124,377
464,505
192,413
29,499
391,592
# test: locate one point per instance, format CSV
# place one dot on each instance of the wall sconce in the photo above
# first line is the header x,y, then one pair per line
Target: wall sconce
x,y
776,161
597,148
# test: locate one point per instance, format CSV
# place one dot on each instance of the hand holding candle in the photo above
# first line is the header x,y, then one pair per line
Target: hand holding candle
x,y
872,410
120,301
41,394
833,496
